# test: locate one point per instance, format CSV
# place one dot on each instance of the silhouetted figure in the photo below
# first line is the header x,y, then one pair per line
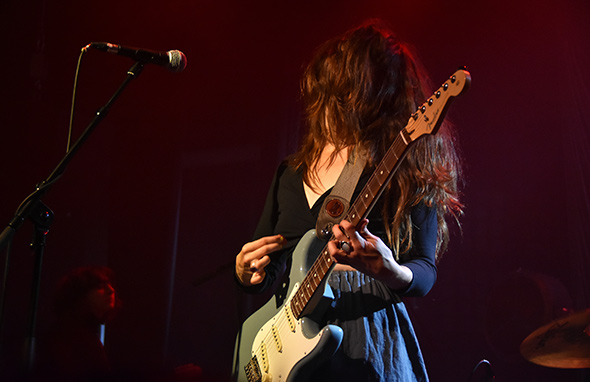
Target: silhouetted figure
x,y
71,350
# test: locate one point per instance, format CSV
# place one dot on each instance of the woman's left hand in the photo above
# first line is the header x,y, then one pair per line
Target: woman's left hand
x,y
368,254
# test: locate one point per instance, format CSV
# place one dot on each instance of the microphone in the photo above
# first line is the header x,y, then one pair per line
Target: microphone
x,y
173,60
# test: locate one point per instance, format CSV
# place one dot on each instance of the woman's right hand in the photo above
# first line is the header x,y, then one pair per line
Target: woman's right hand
x,y
253,258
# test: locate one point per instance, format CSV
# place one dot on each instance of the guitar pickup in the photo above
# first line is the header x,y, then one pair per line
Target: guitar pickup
x,y
290,317
277,338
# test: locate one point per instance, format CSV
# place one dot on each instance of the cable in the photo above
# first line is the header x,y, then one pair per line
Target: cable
x,y
74,96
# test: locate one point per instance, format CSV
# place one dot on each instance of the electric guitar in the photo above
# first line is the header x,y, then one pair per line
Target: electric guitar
x,y
281,342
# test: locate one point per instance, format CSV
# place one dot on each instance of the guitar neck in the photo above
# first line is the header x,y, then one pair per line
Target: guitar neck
x,y
376,184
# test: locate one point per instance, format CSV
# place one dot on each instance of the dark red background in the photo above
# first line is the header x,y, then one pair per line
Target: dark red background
x,y
171,183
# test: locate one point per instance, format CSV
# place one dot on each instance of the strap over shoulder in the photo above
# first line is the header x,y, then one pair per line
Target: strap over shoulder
x,y
337,203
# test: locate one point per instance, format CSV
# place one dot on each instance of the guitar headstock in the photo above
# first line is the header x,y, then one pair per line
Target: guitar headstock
x,y
428,118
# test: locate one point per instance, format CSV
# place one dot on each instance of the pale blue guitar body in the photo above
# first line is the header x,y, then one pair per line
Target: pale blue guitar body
x,y
275,346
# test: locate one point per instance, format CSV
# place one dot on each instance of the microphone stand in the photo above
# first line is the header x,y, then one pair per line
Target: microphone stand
x,y
42,217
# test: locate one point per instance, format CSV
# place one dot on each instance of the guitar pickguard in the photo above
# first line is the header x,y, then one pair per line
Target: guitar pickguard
x,y
282,347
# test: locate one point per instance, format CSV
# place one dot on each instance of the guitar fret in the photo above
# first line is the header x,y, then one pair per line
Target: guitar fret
x,y
398,155
295,305
362,202
314,281
317,275
353,215
389,162
308,293
327,261
392,161
380,177
318,271
400,148
305,292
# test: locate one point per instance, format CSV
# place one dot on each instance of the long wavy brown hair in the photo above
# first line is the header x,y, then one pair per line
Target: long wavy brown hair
x,y
359,91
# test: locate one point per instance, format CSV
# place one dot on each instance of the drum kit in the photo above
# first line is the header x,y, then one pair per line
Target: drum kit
x,y
563,343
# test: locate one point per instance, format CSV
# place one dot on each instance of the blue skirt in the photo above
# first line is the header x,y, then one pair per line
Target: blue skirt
x,y
379,343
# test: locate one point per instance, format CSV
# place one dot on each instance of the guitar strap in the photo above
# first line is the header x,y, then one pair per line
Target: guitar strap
x,y
337,203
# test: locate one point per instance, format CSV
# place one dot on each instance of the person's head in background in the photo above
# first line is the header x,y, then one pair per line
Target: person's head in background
x,y
87,293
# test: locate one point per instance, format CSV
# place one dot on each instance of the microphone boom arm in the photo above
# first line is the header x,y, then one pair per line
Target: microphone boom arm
x,y
43,187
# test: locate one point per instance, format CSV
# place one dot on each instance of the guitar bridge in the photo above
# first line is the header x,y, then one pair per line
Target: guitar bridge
x,y
252,370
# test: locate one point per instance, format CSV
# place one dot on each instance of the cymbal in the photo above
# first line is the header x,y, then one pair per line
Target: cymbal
x,y
563,343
